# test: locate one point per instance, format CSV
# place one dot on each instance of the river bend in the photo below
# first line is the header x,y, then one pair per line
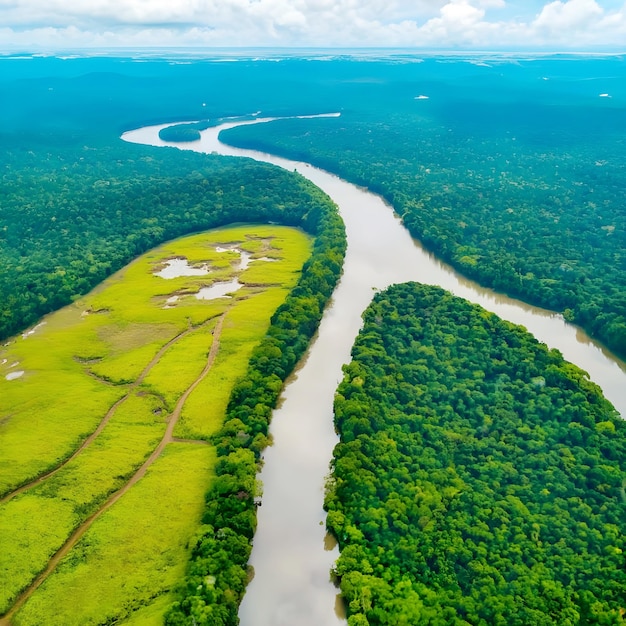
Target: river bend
x,y
291,554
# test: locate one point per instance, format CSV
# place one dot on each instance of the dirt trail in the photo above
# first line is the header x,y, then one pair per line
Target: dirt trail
x,y
107,417
84,527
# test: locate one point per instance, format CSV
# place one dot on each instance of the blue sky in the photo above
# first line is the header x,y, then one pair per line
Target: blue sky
x,y
425,24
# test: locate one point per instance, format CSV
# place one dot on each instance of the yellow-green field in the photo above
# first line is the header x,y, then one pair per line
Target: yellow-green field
x,y
101,384
108,570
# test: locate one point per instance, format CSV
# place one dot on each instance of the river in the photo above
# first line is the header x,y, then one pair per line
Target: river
x,y
291,555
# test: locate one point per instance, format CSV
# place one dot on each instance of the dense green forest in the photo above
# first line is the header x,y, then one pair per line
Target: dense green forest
x,y
179,133
479,478
511,173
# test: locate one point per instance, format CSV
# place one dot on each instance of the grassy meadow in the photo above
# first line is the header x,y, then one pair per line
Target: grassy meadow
x,y
134,553
119,360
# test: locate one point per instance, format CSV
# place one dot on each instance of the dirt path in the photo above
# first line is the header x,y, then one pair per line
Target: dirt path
x,y
84,527
109,414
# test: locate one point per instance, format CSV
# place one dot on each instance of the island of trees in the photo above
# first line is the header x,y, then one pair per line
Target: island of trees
x,y
479,478
180,133
184,133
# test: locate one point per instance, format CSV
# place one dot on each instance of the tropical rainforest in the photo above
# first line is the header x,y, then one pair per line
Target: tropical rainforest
x,y
479,478
513,174
511,171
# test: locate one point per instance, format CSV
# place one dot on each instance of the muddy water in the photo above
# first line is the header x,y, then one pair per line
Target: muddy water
x,y
291,562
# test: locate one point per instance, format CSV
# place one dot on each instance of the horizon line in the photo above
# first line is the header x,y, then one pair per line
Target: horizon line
x,y
85,50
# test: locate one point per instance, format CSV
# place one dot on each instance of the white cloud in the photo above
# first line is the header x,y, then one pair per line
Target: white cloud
x,y
457,22
460,13
489,4
422,23
570,15
580,22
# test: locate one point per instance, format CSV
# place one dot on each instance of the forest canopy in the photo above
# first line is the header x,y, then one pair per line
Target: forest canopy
x,y
511,173
479,478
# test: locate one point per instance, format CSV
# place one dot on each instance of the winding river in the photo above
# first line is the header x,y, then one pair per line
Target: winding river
x,y
291,554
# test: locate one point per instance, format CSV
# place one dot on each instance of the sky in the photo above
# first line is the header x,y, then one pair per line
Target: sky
x,y
32,25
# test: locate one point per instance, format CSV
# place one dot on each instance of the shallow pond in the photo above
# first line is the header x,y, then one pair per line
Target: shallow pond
x,y
218,290
176,268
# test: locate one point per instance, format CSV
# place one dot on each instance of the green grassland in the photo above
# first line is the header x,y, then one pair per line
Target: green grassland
x,y
65,499
124,355
108,570
179,366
